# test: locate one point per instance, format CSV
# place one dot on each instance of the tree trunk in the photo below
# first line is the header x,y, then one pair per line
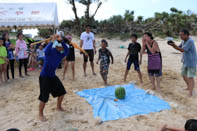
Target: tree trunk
x,y
87,13
76,16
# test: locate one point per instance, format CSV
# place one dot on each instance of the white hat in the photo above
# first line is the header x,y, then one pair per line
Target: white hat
x,y
59,45
56,44
61,33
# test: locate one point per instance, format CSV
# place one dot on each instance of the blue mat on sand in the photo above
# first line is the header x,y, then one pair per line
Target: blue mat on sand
x,y
136,102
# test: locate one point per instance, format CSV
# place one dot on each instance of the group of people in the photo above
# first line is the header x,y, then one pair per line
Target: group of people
x,y
151,48
7,56
61,48
26,56
50,83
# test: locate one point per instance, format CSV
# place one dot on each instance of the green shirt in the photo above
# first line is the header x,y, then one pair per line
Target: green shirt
x,y
3,53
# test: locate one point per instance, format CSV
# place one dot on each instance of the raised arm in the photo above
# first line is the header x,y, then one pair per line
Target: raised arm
x,y
154,48
48,48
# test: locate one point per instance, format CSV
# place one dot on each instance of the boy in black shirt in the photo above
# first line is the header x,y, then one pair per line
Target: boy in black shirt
x,y
104,58
133,53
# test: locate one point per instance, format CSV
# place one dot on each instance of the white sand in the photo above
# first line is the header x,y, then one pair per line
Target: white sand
x,y
19,98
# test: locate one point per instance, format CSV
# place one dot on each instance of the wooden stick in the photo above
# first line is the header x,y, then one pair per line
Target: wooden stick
x,y
79,48
38,42
73,43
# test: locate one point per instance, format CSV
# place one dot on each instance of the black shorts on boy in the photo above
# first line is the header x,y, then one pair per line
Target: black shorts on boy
x,y
135,62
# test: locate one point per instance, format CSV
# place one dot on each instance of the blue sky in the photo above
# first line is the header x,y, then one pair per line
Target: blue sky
x,y
145,8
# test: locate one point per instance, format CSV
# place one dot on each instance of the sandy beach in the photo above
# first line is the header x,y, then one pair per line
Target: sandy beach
x,y
19,97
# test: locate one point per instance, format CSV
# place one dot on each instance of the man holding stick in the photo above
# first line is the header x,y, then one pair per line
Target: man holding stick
x,y
188,49
55,51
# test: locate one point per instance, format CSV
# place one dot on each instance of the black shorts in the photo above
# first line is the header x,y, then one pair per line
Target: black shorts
x,y
156,73
50,85
70,58
90,55
135,62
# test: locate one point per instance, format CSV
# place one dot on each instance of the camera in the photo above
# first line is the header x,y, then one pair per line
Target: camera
x,y
170,40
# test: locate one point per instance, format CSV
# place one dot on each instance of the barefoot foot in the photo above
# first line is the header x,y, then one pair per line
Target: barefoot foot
x,y
60,109
42,118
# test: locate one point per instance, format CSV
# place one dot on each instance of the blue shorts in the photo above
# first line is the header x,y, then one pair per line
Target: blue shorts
x,y
135,62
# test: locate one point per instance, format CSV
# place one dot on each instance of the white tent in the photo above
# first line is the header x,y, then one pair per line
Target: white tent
x,y
28,15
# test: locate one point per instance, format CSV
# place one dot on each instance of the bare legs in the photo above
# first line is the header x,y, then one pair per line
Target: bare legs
x,y
92,66
59,103
125,76
139,75
3,72
65,69
104,77
190,84
152,79
73,69
42,106
186,81
41,116
84,68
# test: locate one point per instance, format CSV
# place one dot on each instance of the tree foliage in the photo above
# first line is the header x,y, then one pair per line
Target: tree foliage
x,y
163,23
45,33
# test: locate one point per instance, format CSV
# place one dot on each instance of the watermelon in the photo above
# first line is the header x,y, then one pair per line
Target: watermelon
x,y
120,93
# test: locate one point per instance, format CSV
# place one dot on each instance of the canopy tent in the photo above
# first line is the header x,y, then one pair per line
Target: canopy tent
x,y
28,15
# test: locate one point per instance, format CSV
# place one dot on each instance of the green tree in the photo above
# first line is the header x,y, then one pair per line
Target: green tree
x,y
45,33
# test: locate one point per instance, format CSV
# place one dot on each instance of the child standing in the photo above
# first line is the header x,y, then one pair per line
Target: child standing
x,y
10,48
40,56
70,58
32,58
104,58
3,61
21,53
133,53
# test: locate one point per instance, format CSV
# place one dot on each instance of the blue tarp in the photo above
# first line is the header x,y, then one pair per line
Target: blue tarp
x,y
136,102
